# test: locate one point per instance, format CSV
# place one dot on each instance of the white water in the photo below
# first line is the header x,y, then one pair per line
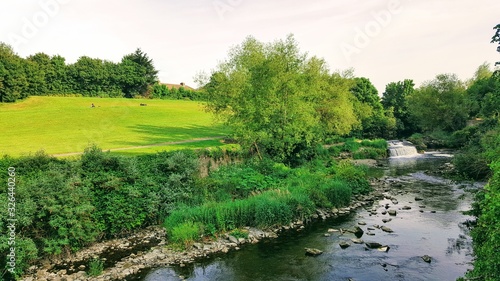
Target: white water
x,y
401,148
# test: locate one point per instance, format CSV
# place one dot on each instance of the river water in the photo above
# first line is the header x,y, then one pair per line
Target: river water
x,y
434,226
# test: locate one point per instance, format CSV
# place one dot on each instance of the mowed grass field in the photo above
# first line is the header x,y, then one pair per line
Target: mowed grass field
x,y
60,125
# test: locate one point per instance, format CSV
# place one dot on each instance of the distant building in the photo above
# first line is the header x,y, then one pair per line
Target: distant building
x,y
177,86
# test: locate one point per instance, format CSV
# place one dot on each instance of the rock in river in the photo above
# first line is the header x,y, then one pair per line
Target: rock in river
x,y
313,252
357,241
344,244
373,245
386,229
392,212
427,259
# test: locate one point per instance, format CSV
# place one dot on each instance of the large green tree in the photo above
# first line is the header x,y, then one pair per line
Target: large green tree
x,y
13,80
395,98
440,104
137,74
375,122
277,100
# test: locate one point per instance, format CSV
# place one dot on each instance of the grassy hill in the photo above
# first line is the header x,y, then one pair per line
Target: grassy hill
x,y
61,125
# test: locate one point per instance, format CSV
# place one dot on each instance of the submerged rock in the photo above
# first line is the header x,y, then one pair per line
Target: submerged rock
x,y
373,245
344,244
427,259
392,212
313,252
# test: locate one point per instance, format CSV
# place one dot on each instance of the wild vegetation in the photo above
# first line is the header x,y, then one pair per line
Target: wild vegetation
x,y
280,105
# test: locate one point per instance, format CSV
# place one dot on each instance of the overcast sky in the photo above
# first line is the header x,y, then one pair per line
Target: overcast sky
x,y
384,40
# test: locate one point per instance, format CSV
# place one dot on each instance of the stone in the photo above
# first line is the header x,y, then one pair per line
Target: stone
x,y
327,235
427,259
331,230
384,212
373,245
313,252
386,229
386,220
384,248
362,223
356,231
344,244
418,198
357,241
232,239
406,208
370,233
392,212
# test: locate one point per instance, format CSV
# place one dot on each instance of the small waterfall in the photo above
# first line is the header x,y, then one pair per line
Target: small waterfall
x,y
401,148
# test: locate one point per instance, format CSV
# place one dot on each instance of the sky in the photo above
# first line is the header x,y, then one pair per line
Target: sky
x,y
383,40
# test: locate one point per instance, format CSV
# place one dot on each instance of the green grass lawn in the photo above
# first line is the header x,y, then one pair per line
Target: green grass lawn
x,y
64,125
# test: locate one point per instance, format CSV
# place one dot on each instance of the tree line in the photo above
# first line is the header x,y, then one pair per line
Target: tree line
x,y
280,102
41,74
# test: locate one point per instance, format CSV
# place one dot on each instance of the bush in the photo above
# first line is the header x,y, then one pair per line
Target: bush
x,y
418,140
186,233
354,176
96,266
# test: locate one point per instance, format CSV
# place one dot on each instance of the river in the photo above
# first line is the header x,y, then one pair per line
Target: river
x,y
434,226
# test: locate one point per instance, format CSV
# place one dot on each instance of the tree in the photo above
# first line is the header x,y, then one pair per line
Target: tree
x,y
395,96
496,39
440,104
277,100
375,122
138,74
13,80
365,92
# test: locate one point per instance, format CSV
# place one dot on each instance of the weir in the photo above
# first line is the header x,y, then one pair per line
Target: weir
x,y
399,148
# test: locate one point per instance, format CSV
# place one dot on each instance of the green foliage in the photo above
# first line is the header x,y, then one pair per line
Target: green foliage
x,y
418,140
395,97
277,101
440,104
239,233
41,74
354,176
95,267
185,233
26,253
375,120
299,193
486,234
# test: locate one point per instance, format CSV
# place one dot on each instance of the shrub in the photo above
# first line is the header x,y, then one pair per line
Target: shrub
x,y
337,192
96,266
418,140
186,233
239,233
354,176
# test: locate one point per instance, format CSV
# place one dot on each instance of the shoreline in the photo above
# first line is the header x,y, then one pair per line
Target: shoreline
x,y
158,255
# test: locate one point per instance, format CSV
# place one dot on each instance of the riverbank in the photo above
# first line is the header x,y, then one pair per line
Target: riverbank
x,y
137,257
